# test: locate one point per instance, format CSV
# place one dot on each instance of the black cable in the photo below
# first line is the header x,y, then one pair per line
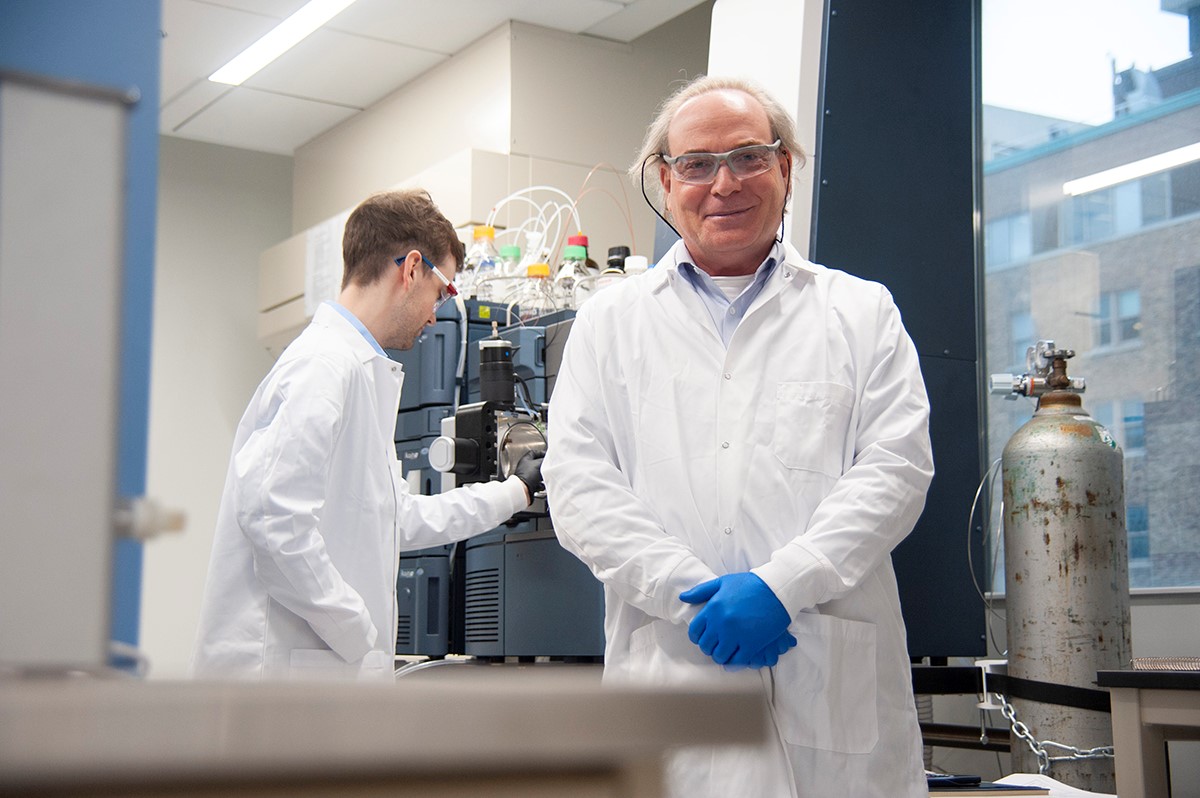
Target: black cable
x,y
648,202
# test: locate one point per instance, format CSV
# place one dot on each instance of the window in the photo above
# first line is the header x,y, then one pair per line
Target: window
x,y
1090,217
1023,337
1088,270
1137,524
1155,196
1185,190
1124,419
1006,240
1119,317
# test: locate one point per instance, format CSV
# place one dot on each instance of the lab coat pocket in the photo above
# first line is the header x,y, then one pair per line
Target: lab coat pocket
x,y
810,425
825,687
660,653
317,663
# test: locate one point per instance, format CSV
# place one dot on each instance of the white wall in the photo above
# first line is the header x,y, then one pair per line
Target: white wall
x,y
460,104
546,98
218,208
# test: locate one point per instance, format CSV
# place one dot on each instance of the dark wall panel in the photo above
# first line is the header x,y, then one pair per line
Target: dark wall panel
x,y
895,202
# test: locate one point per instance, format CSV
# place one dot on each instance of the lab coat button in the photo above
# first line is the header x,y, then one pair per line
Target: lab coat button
x,y
728,376
725,445
728,530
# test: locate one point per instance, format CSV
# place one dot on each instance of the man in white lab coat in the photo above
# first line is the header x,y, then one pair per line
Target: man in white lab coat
x,y
315,513
738,440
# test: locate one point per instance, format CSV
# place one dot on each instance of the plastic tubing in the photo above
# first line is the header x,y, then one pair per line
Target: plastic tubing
x,y
530,189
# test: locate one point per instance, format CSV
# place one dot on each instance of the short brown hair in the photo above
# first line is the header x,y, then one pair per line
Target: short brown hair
x,y
389,224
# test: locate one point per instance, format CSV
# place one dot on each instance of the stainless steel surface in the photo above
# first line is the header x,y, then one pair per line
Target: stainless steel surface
x,y
517,437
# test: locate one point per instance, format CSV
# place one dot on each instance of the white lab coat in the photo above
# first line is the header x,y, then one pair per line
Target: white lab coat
x,y
315,513
802,454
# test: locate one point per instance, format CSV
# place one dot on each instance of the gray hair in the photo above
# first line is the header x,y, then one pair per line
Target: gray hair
x,y
655,144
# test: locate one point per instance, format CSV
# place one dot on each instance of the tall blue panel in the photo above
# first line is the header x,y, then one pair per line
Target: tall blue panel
x,y
113,43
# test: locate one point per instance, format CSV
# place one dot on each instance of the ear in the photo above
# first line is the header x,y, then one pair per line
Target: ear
x,y
409,267
664,179
785,164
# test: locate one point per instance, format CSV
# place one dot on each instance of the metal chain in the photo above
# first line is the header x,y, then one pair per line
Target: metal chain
x,y
1038,748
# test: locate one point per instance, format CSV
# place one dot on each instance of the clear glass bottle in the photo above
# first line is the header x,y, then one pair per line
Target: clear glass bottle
x,y
537,296
510,274
479,268
573,283
580,240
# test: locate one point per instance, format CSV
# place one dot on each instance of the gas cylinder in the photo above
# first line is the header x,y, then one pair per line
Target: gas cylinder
x,y
1066,565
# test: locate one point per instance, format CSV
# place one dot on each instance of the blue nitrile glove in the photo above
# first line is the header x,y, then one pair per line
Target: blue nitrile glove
x,y
769,656
740,618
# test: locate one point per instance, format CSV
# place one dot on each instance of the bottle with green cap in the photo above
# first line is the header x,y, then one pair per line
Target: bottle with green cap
x,y
573,283
510,273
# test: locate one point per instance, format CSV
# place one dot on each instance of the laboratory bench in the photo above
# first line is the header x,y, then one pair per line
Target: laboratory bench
x,y
498,732
1149,708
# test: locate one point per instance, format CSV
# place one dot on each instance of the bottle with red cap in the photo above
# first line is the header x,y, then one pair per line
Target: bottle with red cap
x,y
580,240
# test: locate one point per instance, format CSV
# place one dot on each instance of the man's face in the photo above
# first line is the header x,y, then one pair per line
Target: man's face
x,y
416,311
730,224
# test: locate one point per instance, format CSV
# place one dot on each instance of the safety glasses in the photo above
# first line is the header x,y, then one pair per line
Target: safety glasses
x,y
700,168
448,290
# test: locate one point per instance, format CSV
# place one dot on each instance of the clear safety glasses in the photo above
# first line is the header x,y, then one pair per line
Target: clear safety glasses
x,y
701,168
448,289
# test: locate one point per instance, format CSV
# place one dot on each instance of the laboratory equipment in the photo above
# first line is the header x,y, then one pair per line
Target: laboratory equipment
x,y
574,282
479,267
614,270
1066,563
520,593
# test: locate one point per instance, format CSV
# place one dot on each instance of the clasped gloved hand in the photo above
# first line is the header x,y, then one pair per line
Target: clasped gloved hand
x,y
742,622
529,471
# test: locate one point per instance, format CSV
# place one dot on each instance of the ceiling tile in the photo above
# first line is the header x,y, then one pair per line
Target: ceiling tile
x,y
200,38
280,9
343,68
369,50
640,16
257,120
572,16
443,27
188,103
450,25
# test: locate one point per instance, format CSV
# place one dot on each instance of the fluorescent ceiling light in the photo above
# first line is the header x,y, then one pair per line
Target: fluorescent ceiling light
x,y
1132,171
283,37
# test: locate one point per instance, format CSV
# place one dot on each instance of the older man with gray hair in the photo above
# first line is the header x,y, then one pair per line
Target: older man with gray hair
x,y
740,439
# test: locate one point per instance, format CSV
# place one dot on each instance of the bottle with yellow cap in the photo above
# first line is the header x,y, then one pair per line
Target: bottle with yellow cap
x,y
537,295
479,268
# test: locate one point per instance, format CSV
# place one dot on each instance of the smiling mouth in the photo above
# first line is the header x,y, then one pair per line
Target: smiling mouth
x,y
727,214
